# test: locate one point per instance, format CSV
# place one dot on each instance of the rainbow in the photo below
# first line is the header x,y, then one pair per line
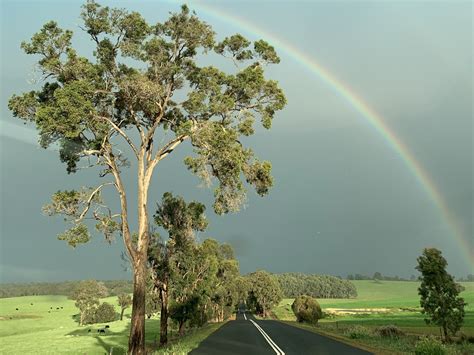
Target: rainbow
x,y
365,111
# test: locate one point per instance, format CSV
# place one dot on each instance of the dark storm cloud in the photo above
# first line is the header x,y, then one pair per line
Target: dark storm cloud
x,y
343,200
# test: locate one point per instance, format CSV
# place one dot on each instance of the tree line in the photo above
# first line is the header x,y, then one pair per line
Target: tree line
x,y
317,286
64,288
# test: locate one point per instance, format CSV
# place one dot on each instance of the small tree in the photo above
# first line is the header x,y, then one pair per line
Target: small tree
x,y
307,309
124,301
439,293
86,295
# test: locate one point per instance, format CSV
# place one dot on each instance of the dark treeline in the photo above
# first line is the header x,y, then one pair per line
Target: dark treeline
x,y
378,276
65,288
318,286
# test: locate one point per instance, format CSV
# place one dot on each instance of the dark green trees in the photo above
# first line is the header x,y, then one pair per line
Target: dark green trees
x,y
264,292
145,78
87,295
439,293
318,286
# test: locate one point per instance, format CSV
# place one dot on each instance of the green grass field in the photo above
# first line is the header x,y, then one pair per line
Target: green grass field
x,y
401,306
38,329
384,294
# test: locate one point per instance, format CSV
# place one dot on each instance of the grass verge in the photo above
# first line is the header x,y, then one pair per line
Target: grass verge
x,y
189,341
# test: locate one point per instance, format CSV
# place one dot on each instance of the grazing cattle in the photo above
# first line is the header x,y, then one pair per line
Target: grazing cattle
x,y
50,307
107,326
57,307
49,311
32,304
16,309
61,307
101,331
88,330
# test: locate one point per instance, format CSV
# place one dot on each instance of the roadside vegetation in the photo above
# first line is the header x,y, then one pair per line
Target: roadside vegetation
x,y
386,316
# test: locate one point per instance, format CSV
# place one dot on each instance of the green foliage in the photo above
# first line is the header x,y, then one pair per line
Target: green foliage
x,y
77,234
264,292
429,346
439,293
104,313
317,286
124,300
307,309
178,218
357,332
389,331
86,295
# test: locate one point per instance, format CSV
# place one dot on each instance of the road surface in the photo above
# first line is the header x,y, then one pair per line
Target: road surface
x,y
247,335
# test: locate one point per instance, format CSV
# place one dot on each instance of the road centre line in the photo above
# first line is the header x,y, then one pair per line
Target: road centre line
x,y
245,316
269,340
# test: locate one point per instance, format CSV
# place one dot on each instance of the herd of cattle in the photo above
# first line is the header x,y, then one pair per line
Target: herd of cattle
x,y
100,331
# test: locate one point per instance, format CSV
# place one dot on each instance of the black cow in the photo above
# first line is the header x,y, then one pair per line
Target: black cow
x,y
50,307
88,330
32,304
107,326
61,307
101,331
16,309
57,307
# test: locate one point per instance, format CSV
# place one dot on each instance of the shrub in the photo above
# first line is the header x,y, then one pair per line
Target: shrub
x,y
389,331
307,309
89,316
357,332
429,346
105,313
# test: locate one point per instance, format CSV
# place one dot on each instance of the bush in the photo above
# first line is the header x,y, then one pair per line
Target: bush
x,y
389,331
105,313
89,316
429,346
357,332
307,309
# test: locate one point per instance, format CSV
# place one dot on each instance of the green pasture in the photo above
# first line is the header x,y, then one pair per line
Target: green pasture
x,y
400,297
37,329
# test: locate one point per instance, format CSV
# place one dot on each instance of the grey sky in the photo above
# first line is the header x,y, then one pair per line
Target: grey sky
x,y
343,202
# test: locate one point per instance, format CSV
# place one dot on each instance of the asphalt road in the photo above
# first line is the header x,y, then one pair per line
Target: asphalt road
x,y
249,336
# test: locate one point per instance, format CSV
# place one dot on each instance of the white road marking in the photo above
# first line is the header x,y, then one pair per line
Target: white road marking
x,y
269,340
245,316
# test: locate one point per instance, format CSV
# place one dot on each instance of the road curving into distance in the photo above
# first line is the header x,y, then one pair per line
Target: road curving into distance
x,y
249,336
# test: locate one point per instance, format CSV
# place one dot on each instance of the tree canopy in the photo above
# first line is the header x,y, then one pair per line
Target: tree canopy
x,y
439,293
145,80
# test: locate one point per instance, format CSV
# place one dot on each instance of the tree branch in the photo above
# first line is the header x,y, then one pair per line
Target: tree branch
x,y
123,205
89,201
122,133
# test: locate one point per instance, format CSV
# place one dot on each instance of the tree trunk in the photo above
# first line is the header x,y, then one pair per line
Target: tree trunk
x,y
136,341
121,313
445,332
181,328
164,314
